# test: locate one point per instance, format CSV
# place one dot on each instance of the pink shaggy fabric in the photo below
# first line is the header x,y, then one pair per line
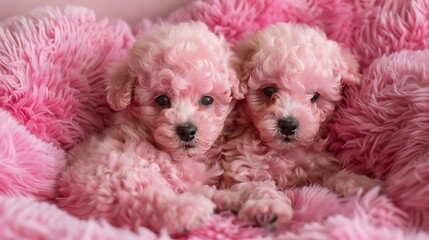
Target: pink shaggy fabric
x,y
225,226
340,227
236,18
315,204
52,66
369,27
28,166
365,217
382,129
399,25
26,218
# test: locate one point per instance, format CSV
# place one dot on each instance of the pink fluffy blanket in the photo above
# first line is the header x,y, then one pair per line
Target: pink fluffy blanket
x,y
52,69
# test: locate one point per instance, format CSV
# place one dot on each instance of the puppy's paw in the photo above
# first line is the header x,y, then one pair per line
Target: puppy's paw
x,y
226,200
187,212
367,183
271,213
358,183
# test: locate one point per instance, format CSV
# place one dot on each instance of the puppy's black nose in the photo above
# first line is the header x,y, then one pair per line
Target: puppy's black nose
x,y
288,126
186,132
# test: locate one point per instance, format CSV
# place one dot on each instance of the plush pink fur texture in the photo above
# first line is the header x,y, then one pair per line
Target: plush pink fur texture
x,y
26,218
398,25
369,27
362,216
235,18
143,170
28,166
52,67
381,129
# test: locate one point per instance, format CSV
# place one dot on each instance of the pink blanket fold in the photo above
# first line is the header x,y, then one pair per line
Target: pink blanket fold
x,y
52,69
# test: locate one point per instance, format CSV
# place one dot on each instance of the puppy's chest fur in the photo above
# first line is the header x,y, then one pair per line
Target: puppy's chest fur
x,y
247,158
184,172
133,157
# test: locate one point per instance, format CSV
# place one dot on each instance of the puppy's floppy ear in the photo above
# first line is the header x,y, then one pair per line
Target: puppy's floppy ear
x,y
348,68
239,87
242,63
119,87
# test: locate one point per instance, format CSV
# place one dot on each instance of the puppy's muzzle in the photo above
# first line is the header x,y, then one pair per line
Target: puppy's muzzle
x,y
186,132
288,126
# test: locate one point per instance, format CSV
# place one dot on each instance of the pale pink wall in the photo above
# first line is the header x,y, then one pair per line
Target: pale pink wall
x,y
129,10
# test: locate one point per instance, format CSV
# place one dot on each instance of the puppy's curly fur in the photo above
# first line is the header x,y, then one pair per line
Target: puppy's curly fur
x,y
172,95
294,77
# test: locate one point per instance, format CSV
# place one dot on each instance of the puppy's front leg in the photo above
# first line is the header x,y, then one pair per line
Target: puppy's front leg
x,y
186,212
327,172
347,183
224,199
263,204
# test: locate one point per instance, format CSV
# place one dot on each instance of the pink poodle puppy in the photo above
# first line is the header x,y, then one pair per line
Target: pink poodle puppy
x,y
294,76
173,95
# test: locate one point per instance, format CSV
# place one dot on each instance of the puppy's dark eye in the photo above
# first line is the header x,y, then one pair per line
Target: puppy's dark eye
x,y
269,91
206,100
163,101
315,97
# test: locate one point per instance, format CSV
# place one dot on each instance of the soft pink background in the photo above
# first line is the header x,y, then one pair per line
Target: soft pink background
x,y
129,10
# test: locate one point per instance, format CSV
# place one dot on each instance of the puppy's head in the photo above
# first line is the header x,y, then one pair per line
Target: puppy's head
x,y
294,76
179,83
